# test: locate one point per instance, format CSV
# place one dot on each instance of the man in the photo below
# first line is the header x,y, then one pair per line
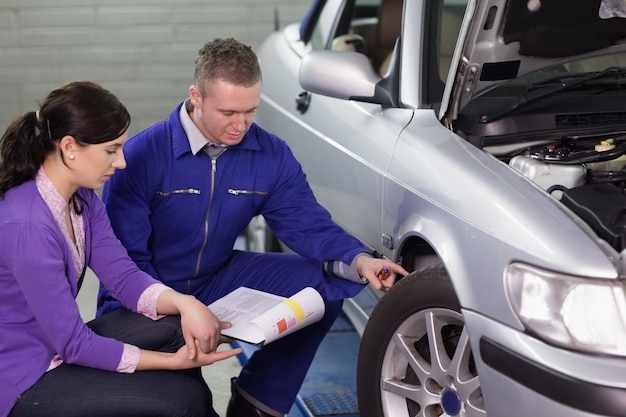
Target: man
x,y
191,186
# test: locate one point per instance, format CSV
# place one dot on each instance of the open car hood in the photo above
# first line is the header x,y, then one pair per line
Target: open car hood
x,y
509,39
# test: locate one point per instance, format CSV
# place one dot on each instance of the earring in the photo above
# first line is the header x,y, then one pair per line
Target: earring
x,y
72,157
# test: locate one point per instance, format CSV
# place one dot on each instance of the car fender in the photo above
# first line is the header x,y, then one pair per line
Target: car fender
x,y
479,215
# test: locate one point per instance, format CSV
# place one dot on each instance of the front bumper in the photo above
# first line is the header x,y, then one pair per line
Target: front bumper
x,y
559,387
522,376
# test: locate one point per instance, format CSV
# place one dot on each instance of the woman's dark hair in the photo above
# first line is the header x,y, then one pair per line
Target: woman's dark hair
x,y
81,109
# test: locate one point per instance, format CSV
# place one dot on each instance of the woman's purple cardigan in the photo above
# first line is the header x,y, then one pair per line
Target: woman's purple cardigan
x,y
38,286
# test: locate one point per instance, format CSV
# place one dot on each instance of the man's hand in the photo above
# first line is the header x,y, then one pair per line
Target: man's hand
x,y
184,361
150,360
380,272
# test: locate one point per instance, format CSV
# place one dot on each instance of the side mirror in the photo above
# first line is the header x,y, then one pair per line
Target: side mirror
x,y
343,75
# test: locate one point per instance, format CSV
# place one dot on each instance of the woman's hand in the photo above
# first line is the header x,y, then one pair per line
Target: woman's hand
x,y
201,328
380,272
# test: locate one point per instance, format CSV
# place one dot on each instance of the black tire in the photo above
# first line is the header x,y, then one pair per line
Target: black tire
x,y
395,374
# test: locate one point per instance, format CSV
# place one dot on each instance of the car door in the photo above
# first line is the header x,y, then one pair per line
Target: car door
x,y
345,147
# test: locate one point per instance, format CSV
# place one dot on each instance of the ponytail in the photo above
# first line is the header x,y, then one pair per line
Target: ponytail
x,y
23,148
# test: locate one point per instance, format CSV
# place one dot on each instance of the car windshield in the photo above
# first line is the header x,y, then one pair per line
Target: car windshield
x,y
583,94
596,82
590,71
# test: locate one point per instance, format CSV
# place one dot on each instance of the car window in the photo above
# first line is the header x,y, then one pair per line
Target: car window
x,y
343,17
441,31
372,27
597,63
570,71
325,24
450,26
377,37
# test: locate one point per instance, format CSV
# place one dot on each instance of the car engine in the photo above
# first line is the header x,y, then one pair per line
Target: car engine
x,y
587,176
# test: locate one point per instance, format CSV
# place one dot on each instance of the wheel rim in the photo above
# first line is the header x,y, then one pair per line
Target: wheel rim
x,y
428,368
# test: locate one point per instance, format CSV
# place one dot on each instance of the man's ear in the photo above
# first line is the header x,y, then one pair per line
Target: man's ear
x,y
195,95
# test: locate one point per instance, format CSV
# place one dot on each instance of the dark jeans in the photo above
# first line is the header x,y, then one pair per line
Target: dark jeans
x,y
71,390
274,374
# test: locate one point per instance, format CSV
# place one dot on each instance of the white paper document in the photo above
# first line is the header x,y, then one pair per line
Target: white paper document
x,y
259,317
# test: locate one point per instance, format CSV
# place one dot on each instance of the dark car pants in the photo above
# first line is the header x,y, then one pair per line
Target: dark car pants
x,y
275,372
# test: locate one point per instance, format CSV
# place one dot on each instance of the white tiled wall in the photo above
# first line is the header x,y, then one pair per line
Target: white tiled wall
x,y
142,50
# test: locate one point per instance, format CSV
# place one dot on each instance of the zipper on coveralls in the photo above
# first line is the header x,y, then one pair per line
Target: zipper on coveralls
x,y
237,192
206,222
184,191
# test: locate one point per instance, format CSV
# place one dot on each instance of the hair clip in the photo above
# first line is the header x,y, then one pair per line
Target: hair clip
x,y
49,132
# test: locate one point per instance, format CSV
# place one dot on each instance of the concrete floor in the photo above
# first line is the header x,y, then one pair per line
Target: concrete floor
x,y
217,375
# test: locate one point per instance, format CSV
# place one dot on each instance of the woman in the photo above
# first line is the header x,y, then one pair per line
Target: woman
x,y
53,226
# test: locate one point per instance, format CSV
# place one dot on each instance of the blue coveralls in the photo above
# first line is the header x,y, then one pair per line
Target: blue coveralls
x,y
179,214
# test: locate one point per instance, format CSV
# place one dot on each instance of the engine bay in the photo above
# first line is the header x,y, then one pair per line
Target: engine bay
x,y
587,175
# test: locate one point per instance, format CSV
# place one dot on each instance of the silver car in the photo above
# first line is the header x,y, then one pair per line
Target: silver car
x,y
481,145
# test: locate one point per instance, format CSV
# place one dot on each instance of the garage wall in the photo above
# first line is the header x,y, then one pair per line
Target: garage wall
x,y
142,50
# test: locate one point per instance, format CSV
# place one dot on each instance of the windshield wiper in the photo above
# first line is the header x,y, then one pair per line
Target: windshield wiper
x,y
554,85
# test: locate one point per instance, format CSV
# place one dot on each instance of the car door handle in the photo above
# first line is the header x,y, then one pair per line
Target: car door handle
x,y
302,101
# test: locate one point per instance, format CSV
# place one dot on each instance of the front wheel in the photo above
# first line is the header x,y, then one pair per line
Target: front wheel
x,y
415,357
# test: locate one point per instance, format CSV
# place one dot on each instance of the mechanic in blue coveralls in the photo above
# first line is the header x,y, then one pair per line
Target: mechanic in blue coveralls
x,y
192,184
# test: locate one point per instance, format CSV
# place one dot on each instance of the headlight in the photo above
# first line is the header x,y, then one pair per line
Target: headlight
x,y
578,313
